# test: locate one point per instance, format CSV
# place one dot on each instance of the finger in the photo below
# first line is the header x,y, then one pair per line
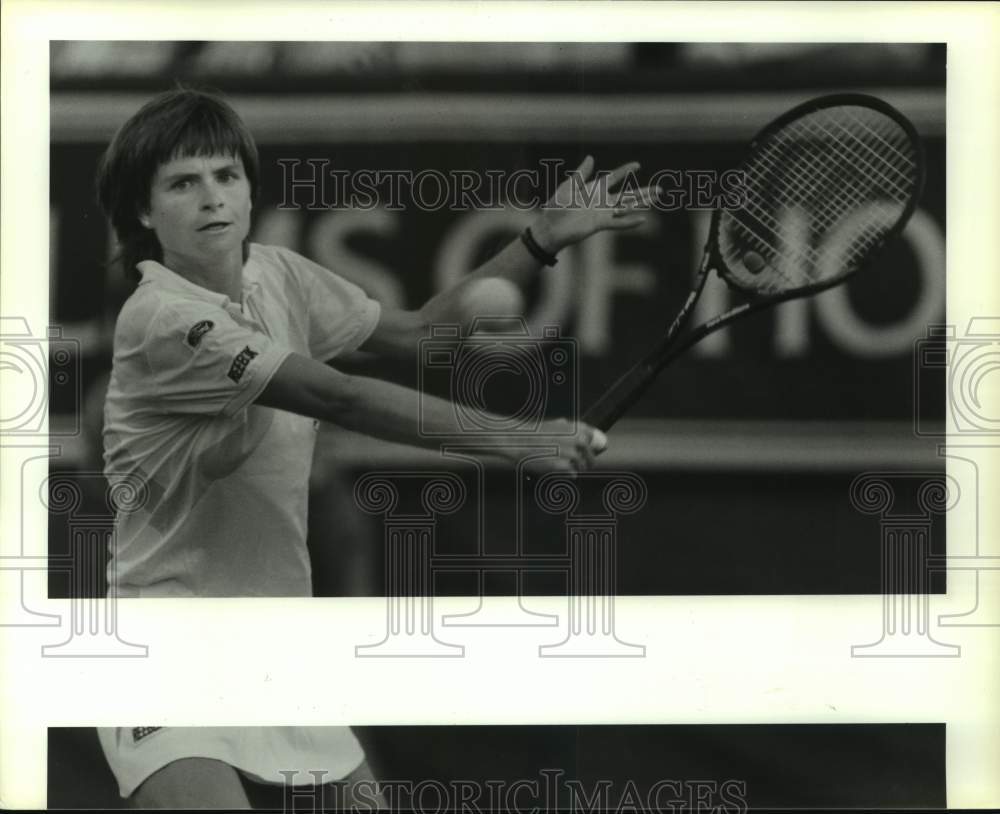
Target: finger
x,y
586,168
585,459
641,198
619,174
598,442
584,448
565,466
647,195
622,222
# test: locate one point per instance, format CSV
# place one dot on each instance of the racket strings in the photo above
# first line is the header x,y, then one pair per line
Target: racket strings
x,y
803,147
813,184
805,190
816,225
863,142
909,162
804,185
820,193
849,153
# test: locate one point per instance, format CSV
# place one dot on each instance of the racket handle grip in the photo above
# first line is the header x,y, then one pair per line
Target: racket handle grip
x,y
625,392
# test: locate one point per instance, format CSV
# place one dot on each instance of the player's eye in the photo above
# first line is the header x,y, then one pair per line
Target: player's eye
x,y
229,175
181,184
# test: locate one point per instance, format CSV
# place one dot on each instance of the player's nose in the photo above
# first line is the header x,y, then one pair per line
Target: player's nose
x,y
212,197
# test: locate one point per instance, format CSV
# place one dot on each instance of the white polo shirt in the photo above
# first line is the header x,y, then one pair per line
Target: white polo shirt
x,y
260,752
226,481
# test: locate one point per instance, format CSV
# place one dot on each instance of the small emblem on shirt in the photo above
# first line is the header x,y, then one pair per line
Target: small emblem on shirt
x,y
198,331
140,732
240,363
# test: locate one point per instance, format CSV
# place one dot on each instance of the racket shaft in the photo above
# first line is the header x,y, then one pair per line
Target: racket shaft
x,y
620,396
629,388
625,392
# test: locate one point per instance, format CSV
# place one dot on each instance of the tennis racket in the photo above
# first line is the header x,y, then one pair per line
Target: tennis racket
x,y
825,186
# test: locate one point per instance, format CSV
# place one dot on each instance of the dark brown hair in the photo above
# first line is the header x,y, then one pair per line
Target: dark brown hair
x,y
178,123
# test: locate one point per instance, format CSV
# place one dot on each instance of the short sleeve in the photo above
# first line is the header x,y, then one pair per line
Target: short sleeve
x,y
341,316
200,360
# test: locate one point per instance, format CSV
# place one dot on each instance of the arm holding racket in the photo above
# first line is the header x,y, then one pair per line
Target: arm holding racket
x,y
392,412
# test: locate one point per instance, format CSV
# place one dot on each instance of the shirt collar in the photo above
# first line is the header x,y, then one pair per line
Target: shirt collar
x,y
153,271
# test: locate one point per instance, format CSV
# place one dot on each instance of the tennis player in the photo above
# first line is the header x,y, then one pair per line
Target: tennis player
x,y
217,387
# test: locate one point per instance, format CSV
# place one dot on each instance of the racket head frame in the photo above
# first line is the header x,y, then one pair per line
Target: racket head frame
x,y
715,258
629,388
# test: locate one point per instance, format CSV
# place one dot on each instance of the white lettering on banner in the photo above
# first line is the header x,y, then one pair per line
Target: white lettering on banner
x,y
463,244
585,282
328,247
854,335
791,330
600,277
833,309
557,301
714,297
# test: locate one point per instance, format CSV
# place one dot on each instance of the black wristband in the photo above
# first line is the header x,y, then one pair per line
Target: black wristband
x,y
537,251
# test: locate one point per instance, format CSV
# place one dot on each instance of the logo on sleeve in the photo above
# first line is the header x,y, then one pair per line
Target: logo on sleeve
x,y
140,732
198,330
240,363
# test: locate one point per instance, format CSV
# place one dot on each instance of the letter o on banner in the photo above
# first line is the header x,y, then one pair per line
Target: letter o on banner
x,y
851,333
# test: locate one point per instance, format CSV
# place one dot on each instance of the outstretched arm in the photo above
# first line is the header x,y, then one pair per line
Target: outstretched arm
x,y
385,410
582,206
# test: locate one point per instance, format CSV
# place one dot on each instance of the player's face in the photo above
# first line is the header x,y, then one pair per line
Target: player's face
x,y
199,207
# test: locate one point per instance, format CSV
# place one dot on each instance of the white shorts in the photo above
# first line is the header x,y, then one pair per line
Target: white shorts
x,y
260,752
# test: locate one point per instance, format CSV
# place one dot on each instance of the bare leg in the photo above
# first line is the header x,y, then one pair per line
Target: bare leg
x,y
362,801
194,782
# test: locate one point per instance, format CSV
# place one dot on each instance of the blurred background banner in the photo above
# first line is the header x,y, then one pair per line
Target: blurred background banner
x,y
453,107
825,387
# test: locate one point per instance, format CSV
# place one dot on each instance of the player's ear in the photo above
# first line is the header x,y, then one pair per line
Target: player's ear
x,y
144,220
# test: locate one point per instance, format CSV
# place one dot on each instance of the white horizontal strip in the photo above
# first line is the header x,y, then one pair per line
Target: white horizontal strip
x,y
816,447
487,117
775,446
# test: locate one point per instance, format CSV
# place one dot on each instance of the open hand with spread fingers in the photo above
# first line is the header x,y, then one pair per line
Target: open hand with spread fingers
x,y
584,205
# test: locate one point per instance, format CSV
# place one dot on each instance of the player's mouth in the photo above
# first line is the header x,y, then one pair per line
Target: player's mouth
x,y
215,226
